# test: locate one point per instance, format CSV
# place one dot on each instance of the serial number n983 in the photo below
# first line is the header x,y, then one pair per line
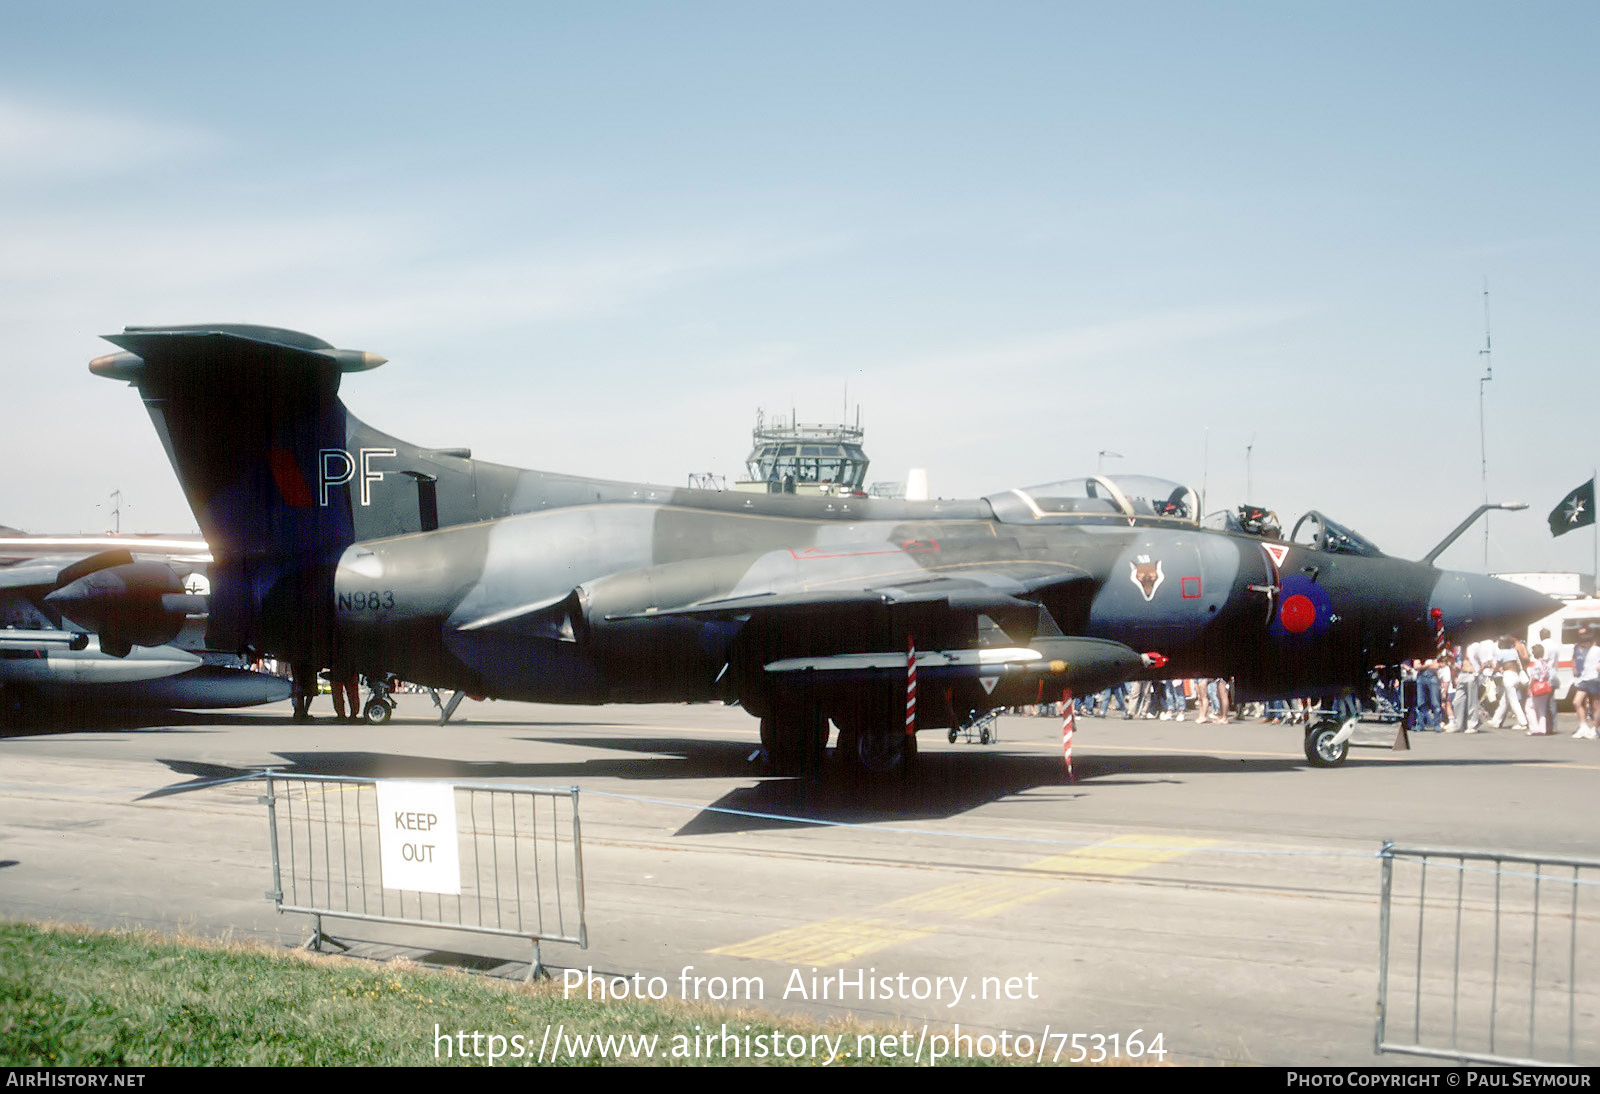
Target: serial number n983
x,y
370,601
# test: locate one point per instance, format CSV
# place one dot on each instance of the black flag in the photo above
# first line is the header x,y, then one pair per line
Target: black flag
x,y
1575,511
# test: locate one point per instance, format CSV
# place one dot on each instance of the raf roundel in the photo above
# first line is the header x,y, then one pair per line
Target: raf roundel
x,y
1306,610
1297,614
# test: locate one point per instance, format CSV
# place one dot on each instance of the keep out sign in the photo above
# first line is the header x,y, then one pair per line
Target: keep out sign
x,y
417,836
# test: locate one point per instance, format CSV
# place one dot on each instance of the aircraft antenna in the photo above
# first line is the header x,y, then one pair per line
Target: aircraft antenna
x,y
116,511
1249,478
1483,447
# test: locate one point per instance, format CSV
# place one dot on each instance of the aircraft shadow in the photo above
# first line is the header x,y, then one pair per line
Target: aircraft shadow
x,y
944,784
361,765
711,759
134,720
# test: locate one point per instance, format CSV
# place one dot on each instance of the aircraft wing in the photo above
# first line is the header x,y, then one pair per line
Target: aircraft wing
x,y
1006,669
36,573
47,572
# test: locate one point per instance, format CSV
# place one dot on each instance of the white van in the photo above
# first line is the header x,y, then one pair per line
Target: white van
x,y
1563,626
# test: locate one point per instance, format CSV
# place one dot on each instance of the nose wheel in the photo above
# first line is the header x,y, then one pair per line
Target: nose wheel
x,y
1326,745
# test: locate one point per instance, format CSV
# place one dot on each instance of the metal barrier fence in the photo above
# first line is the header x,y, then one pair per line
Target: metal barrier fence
x,y
514,868
1488,957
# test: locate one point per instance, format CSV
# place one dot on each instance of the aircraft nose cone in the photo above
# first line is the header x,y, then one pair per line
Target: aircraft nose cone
x,y
1479,606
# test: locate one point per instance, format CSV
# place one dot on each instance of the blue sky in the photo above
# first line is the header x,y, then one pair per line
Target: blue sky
x,y
597,237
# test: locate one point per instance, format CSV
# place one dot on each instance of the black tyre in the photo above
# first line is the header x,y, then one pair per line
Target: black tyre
x,y
1320,747
377,712
878,753
953,734
19,706
795,739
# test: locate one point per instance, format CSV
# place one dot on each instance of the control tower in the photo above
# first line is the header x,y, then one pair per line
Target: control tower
x,y
805,458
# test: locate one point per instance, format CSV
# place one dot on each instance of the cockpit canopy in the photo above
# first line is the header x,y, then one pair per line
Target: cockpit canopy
x,y
1321,534
1104,495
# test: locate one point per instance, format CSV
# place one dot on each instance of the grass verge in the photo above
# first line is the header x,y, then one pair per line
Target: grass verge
x,y
75,997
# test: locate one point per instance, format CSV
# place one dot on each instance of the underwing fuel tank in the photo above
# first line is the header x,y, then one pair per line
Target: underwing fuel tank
x,y
1004,676
88,665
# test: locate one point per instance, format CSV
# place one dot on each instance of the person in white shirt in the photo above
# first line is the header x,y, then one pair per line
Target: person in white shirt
x,y
1478,658
1586,692
1541,681
1510,664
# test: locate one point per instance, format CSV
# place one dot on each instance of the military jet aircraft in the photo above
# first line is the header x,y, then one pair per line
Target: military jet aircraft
x,y
339,545
112,621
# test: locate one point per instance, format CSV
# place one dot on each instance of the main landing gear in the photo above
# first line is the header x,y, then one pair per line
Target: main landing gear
x,y
794,739
380,707
878,752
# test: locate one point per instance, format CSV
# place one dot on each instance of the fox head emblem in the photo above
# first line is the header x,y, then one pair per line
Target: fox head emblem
x,y
1147,575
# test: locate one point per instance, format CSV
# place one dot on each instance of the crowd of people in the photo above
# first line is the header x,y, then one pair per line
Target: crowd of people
x,y
1500,682
1167,700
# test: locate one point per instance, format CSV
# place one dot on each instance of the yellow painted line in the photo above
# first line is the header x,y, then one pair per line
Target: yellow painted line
x,y
1122,855
1099,746
975,899
835,941
830,942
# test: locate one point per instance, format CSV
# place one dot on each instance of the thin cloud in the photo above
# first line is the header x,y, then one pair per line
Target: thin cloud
x,y
364,272
1143,334
42,142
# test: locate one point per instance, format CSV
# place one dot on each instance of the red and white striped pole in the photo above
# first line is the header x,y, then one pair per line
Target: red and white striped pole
x,y
1402,742
1068,725
911,685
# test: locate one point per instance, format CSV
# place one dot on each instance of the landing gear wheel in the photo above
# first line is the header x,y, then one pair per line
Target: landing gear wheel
x,y
983,735
1321,748
951,736
18,706
877,753
770,752
377,712
795,739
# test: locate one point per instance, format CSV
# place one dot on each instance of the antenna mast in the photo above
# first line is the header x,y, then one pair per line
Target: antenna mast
x,y
1483,448
1249,478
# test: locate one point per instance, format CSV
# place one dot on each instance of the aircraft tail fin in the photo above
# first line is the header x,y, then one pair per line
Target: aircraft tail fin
x,y
251,419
